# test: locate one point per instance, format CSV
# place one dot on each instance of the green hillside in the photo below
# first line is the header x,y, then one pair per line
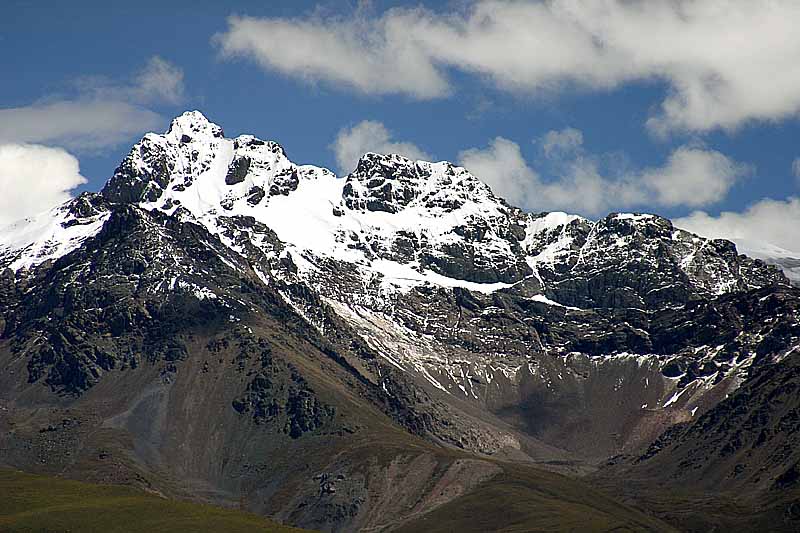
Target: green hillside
x,y
47,504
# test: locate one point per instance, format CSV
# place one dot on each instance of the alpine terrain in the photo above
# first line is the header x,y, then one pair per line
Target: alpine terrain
x,y
395,349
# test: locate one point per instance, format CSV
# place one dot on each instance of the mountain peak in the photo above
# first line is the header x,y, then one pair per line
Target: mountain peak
x,y
192,124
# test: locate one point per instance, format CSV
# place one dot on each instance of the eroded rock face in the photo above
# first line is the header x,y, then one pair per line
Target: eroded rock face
x,y
102,308
479,238
142,176
237,170
642,261
383,184
747,444
279,397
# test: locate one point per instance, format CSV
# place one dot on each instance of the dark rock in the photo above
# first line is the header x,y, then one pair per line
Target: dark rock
x,y
237,170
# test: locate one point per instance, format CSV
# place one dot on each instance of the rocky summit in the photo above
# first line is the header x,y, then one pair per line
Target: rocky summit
x,y
395,349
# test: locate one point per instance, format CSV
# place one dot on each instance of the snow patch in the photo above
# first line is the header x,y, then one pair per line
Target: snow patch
x,y
46,236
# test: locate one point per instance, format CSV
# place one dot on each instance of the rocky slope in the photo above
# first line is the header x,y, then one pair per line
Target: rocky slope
x,y
216,305
787,260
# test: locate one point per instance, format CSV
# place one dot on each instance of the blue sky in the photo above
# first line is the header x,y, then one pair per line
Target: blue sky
x,y
280,74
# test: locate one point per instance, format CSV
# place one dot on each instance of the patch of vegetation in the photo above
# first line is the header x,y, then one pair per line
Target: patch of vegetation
x,y
529,500
47,504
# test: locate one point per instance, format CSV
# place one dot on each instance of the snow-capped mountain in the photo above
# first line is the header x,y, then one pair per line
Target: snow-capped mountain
x,y
406,287
405,222
386,247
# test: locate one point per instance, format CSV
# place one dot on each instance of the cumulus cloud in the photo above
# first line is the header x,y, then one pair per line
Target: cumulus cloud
x,y
767,221
34,178
369,136
101,114
557,142
374,57
580,188
502,166
724,62
691,176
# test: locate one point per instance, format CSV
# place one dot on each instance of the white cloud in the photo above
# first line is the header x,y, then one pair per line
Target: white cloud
x,y
561,141
34,178
690,177
159,81
369,136
580,188
767,221
725,62
505,170
102,114
76,124
693,177
375,57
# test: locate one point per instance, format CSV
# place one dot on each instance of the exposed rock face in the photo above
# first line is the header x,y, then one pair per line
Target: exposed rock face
x,y
237,170
279,396
761,417
642,261
214,289
102,307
